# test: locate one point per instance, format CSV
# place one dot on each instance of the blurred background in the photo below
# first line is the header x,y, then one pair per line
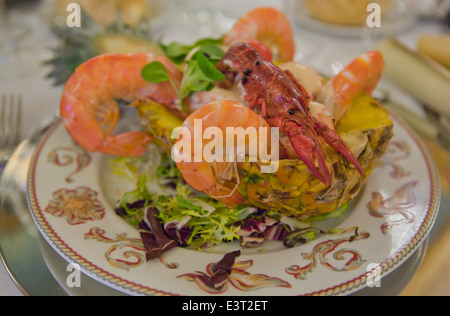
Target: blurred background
x,y
39,51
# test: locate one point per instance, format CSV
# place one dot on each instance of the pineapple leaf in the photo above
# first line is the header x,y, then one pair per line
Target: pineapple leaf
x,y
79,44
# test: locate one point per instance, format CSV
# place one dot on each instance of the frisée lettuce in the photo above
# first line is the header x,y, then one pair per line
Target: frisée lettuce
x,y
189,216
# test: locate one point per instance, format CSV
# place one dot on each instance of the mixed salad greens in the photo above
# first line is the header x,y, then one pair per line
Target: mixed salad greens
x,y
191,218
199,60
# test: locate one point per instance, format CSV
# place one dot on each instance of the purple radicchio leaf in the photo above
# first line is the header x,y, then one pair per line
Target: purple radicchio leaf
x,y
155,240
120,211
221,271
254,225
178,231
254,231
276,232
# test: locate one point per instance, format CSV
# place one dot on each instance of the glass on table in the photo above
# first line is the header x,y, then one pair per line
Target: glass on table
x,y
17,57
186,21
347,28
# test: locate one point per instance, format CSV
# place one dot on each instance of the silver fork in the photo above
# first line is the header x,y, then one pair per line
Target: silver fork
x,y
10,125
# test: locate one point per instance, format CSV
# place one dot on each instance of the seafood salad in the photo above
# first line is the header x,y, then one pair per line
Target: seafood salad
x,y
236,141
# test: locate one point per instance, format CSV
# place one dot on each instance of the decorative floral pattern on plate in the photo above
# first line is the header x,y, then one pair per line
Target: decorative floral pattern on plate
x,y
239,278
126,247
330,247
395,152
65,156
77,206
396,209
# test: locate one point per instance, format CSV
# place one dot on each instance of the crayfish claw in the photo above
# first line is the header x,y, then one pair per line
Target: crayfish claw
x,y
336,142
309,148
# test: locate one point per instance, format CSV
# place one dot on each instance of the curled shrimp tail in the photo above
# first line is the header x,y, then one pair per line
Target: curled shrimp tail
x,y
268,25
89,108
360,75
133,143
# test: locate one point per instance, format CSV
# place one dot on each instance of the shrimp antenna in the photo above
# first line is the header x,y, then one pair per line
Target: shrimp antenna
x,y
238,179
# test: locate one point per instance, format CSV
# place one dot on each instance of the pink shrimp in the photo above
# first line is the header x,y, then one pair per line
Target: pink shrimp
x,y
210,177
89,109
267,25
360,75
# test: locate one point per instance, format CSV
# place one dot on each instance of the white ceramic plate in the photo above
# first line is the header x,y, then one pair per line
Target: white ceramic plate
x,y
71,195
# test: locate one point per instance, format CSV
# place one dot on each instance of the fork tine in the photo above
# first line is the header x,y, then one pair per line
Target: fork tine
x,y
9,123
10,120
18,122
2,121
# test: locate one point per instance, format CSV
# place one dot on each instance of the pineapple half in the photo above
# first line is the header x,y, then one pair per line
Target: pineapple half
x,y
293,190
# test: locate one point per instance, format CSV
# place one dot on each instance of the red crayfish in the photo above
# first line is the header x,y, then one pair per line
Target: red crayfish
x,y
284,103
